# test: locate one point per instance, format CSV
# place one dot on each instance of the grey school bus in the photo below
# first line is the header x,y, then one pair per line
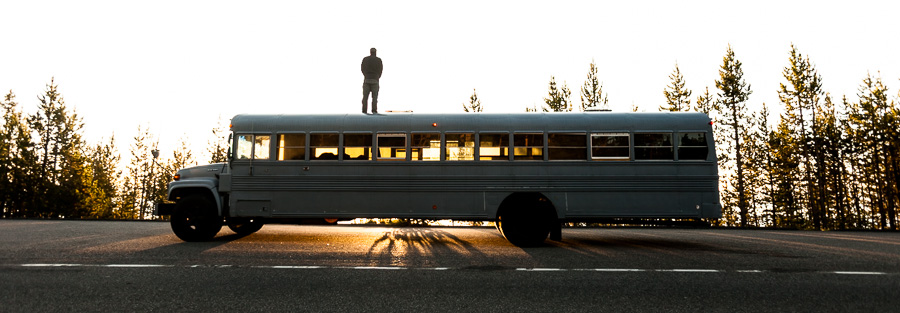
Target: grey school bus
x,y
527,172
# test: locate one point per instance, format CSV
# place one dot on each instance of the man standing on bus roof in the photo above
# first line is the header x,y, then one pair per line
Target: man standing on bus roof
x,y
371,68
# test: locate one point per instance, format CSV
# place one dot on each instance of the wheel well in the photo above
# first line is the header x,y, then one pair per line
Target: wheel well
x,y
533,202
182,192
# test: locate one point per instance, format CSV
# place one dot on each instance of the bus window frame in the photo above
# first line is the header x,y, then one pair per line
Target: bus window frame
x,y
543,145
377,146
634,145
587,143
342,150
440,145
706,135
309,146
630,145
278,147
252,141
444,153
502,134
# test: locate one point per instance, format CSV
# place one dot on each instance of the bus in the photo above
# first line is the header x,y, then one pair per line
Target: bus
x,y
526,172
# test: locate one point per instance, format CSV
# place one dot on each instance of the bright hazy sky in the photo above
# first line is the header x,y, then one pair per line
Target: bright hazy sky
x,y
178,66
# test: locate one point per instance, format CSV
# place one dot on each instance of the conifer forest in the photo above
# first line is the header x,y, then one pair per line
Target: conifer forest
x,y
813,160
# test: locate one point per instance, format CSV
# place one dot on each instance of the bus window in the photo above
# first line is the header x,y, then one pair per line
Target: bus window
x,y
567,146
528,146
323,146
391,147
692,146
493,147
291,147
425,147
460,147
253,146
244,147
609,146
357,146
653,147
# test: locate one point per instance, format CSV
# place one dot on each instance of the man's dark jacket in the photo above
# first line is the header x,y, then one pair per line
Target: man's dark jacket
x,y
371,67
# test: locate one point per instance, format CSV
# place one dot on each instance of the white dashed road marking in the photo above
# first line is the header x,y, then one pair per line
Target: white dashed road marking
x,y
394,268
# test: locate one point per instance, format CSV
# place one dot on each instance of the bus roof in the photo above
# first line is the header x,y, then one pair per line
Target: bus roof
x,y
481,122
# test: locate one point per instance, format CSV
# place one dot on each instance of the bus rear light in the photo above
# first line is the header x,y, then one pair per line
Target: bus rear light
x,y
710,123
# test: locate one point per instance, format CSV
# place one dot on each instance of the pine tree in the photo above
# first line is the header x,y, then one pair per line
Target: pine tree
x,y
474,104
218,147
104,163
731,103
678,98
18,164
705,103
801,100
592,92
63,170
138,181
557,99
872,124
163,170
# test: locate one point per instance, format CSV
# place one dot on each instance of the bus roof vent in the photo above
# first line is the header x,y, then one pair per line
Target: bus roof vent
x,y
597,110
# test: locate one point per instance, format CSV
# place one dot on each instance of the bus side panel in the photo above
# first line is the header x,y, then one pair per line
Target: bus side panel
x,y
633,204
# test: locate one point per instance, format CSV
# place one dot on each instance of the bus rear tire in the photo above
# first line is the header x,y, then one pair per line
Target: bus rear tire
x,y
526,219
243,225
523,231
195,219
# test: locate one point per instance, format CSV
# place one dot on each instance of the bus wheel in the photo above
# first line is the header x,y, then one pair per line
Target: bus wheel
x,y
523,229
195,218
243,225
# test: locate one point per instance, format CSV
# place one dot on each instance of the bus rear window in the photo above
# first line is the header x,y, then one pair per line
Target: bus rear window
x,y
493,147
323,146
567,146
653,146
460,146
692,146
425,147
609,146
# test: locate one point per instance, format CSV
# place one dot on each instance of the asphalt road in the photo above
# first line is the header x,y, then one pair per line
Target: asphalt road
x,y
67,266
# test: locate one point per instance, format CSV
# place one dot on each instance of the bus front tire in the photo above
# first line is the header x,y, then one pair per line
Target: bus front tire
x,y
244,226
195,218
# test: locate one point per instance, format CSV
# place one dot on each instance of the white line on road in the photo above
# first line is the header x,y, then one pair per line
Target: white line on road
x,y
393,268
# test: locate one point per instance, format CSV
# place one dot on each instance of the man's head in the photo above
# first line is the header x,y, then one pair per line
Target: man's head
x,y
372,51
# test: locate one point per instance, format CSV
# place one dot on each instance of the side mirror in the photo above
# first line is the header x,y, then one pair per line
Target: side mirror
x,y
229,156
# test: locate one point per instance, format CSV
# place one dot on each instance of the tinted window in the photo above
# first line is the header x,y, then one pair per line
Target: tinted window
x,y
653,146
425,147
567,146
609,146
391,147
291,147
692,146
357,146
528,146
460,146
323,146
493,147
